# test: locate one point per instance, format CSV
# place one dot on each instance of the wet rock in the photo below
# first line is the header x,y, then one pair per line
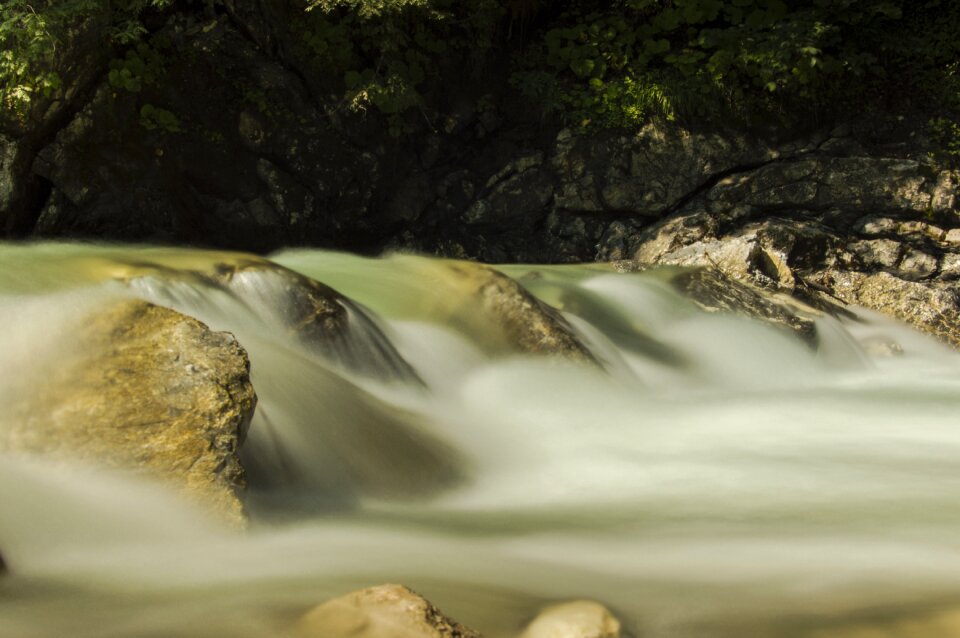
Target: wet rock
x,y
934,307
577,619
321,318
528,325
767,253
385,611
3,565
145,389
714,291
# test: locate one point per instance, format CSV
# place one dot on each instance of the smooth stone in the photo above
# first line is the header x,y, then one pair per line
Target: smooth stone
x,y
576,619
385,611
527,324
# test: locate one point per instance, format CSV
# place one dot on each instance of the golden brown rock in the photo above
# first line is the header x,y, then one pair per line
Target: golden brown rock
x,y
322,319
930,306
527,324
576,619
144,388
385,611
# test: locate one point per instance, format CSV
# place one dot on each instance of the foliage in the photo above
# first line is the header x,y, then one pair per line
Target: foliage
x,y
36,38
386,52
607,63
155,118
618,63
140,66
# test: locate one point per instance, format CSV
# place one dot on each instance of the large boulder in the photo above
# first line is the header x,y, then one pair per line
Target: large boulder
x,y
143,388
385,611
323,320
362,446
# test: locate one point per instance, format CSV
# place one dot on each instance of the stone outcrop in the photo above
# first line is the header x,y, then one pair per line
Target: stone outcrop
x,y
386,611
830,223
143,388
576,619
934,307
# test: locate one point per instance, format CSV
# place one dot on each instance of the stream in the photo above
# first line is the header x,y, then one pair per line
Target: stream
x,y
715,477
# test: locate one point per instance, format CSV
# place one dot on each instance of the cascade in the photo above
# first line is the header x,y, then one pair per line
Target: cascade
x,y
711,475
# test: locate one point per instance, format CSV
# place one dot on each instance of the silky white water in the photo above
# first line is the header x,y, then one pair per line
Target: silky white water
x,y
718,478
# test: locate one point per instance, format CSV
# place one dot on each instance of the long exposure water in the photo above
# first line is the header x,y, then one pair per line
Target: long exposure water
x,y
718,477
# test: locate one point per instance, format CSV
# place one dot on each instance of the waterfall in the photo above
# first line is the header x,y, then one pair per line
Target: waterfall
x,y
715,476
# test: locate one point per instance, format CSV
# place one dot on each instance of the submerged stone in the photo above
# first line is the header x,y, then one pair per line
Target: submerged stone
x,y
322,319
385,611
576,619
527,324
713,291
146,389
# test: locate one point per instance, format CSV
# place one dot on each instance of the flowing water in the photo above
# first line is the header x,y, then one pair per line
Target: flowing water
x,y
717,478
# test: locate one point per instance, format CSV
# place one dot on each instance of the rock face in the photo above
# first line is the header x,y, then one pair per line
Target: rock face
x,y
150,390
386,611
577,619
832,221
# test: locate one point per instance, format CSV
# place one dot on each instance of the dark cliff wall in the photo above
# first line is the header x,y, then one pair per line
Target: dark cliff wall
x,y
220,128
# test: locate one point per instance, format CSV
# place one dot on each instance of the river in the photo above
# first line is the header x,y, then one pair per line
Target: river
x,y
717,478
